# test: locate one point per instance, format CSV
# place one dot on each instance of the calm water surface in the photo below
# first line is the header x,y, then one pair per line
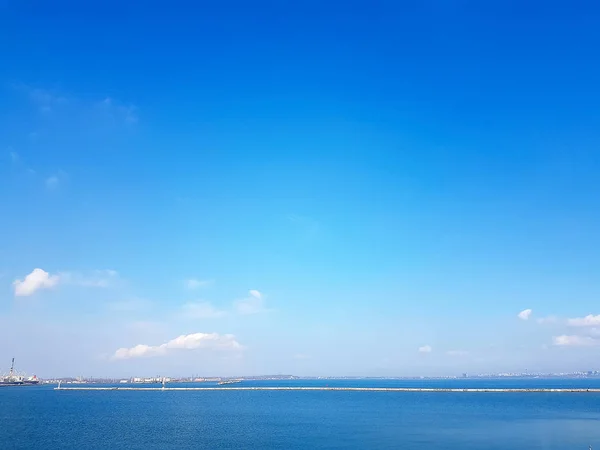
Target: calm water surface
x,y
40,418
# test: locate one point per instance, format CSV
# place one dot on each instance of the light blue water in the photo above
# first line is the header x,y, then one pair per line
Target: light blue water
x,y
41,418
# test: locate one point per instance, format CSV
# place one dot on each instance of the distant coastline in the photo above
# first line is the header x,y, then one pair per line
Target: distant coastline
x,y
593,375
325,388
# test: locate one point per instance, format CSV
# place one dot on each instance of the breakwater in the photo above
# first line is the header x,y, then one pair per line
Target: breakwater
x,y
325,388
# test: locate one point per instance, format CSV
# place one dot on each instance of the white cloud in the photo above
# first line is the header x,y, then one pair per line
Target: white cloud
x,y
574,341
301,356
36,280
212,341
587,321
457,353
252,304
201,310
425,349
525,314
194,283
40,279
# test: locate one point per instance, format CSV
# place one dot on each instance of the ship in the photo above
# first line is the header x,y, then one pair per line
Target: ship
x,y
15,379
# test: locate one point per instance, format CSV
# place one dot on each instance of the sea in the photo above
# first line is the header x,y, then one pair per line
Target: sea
x,y
39,417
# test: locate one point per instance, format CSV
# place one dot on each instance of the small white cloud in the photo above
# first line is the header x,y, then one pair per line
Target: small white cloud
x,y
253,304
212,341
574,341
201,310
301,356
425,349
457,353
194,283
587,321
525,314
36,280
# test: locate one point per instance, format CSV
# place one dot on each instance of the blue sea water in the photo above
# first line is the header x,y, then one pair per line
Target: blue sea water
x,y
40,418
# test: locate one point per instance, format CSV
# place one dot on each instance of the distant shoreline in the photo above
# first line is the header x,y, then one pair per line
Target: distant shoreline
x,y
324,388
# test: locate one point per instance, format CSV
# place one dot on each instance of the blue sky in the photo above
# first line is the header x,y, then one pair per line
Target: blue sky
x,y
318,188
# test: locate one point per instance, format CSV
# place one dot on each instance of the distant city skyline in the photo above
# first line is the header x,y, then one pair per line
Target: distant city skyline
x,y
307,189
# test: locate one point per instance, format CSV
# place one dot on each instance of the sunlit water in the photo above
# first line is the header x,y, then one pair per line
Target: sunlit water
x,y
41,418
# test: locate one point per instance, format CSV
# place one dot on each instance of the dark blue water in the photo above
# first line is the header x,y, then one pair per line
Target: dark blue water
x,y
41,418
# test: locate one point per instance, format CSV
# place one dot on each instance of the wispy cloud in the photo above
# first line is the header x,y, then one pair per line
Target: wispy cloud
x,y
301,356
119,111
587,321
425,349
457,353
547,320
525,314
40,279
194,283
574,341
46,100
56,103
52,182
18,163
212,341
33,282
201,310
96,278
253,304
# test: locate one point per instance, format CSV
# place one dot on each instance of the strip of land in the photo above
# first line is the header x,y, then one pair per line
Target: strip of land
x,y
324,388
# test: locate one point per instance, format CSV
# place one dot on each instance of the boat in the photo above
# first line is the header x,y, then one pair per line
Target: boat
x,y
14,379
